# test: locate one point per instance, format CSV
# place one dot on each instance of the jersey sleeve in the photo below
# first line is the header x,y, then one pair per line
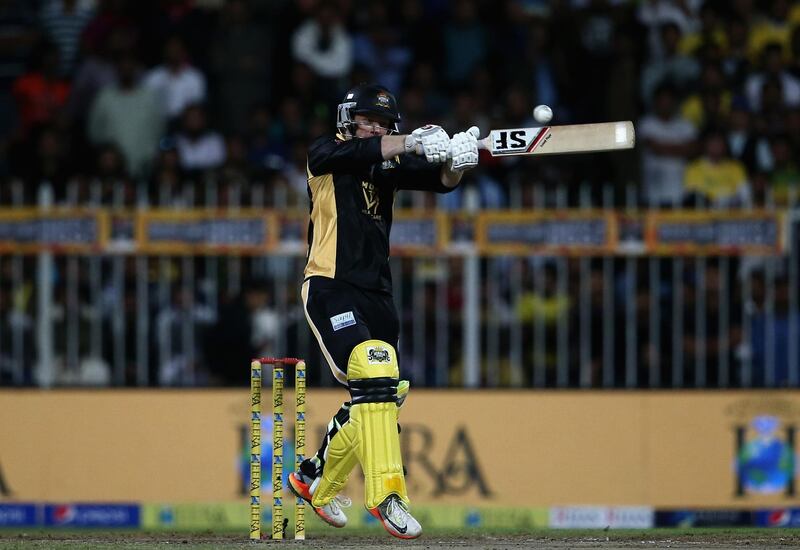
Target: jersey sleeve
x,y
329,154
414,173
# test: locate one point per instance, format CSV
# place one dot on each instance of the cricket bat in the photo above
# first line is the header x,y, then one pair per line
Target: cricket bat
x,y
555,140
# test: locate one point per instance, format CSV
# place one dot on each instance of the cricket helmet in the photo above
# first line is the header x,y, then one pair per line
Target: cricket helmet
x,y
367,99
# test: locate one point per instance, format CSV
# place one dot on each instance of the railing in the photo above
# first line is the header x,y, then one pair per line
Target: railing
x,y
590,296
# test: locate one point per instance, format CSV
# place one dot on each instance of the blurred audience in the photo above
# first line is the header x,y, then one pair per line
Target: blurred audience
x,y
715,178
176,81
199,147
63,22
667,141
180,103
40,92
129,115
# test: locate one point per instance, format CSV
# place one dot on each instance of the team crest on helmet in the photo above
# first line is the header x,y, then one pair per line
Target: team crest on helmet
x,y
378,355
382,100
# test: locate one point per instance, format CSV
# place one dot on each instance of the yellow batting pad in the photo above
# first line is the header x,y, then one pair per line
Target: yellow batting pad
x,y
340,461
378,447
342,457
372,359
379,451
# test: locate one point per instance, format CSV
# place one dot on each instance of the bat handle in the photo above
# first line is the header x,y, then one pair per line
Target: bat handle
x,y
482,143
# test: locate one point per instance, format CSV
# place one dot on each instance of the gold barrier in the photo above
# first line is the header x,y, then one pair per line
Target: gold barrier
x,y
732,449
579,232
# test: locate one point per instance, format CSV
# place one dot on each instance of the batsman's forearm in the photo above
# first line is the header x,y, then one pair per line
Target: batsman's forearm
x,y
392,146
449,177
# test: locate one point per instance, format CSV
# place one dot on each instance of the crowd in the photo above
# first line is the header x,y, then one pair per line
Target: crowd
x,y
213,102
147,93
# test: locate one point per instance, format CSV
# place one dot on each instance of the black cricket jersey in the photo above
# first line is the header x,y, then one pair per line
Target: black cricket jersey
x,y
352,191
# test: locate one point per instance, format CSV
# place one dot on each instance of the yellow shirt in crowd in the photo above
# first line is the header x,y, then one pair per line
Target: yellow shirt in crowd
x,y
764,32
715,181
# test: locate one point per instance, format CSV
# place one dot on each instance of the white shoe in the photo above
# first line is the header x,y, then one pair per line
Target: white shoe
x,y
396,519
331,513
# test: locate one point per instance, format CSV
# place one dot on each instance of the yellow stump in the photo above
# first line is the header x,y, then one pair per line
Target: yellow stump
x,y
277,451
255,450
300,443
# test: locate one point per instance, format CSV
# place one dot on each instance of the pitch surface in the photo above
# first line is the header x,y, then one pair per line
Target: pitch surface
x,y
540,539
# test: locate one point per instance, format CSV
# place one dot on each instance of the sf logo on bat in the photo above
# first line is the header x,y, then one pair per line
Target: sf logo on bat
x,y
519,140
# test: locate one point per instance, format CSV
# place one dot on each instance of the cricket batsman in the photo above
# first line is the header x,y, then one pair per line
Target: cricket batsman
x,y
347,293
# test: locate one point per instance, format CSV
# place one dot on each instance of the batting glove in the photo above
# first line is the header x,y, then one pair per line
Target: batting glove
x,y
431,141
464,150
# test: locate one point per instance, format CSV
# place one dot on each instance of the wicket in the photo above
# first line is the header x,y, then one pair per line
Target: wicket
x,y
278,365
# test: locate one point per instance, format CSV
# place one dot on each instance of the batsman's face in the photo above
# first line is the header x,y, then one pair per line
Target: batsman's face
x,y
369,126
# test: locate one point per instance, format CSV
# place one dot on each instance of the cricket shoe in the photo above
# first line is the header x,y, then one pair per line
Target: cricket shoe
x,y
396,519
331,513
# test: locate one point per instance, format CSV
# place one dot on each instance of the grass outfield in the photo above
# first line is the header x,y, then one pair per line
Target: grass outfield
x,y
374,537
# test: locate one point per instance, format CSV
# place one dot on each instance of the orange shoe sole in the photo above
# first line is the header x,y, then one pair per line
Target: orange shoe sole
x,y
301,490
377,515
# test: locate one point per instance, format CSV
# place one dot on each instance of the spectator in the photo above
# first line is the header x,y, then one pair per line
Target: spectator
x,y
110,172
794,67
717,178
379,49
771,367
179,350
236,168
129,116
464,42
292,121
710,105
304,88
706,339
424,77
653,14
168,176
96,71
589,37
542,303
177,83
199,148
239,334
414,114
420,27
793,129
18,36
191,20
324,44
668,140
708,32
241,52
784,179
679,69
735,60
63,22
52,162
773,27
40,93
266,147
17,349
773,117
111,16
773,69
741,139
